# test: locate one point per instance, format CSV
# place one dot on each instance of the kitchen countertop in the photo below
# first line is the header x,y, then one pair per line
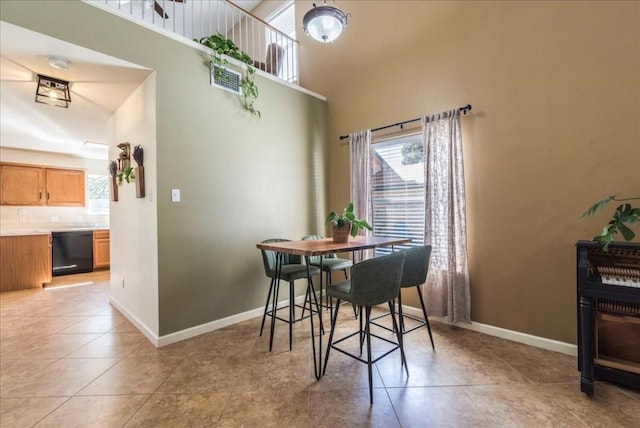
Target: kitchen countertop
x,y
47,230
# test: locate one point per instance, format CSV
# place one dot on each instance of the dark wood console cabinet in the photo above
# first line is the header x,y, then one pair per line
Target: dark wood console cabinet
x,y
608,314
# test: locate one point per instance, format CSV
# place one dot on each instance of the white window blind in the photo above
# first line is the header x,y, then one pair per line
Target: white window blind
x,y
397,189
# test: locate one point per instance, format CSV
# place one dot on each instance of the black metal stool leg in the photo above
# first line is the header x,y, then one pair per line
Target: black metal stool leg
x,y
401,315
361,334
266,305
334,317
292,313
274,306
327,283
369,365
426,318
399,336
318,307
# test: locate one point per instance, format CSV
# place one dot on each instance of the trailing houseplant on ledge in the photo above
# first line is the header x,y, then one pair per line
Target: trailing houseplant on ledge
x,y
224,46
346,223
624,216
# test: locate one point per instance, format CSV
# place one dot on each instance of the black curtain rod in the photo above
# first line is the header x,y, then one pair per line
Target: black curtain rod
x,y
464,110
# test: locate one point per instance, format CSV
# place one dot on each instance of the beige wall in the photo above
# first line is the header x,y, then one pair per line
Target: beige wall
x,y
242,179
555,89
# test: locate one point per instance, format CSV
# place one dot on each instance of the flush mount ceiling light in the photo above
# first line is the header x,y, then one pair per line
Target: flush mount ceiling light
x,y
324,23
52,91
96,144
59,62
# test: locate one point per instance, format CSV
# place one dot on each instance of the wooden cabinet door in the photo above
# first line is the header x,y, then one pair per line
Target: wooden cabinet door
x,y
65,187
101,245
25,262
21,185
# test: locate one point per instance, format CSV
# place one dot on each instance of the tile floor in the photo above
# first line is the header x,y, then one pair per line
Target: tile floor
x,y
69,359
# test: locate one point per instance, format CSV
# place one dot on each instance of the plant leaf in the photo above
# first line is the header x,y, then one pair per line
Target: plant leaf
x,y
349,208
331,217
627,233
598,205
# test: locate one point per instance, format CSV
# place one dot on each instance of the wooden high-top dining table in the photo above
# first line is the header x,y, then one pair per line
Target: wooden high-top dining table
x,y
320,247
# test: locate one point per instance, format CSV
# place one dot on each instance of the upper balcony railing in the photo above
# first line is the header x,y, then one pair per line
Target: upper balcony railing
x,y
272,50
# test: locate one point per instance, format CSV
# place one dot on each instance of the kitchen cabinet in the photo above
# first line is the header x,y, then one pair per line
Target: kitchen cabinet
x,y
21,185
65,187
101,258
25,261
38,185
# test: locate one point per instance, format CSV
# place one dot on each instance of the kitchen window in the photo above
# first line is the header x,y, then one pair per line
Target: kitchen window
x,y
98,185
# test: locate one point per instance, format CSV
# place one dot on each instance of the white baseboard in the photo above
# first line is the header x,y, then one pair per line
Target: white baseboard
x,y
196,330
218,324
208,327
135,321
516,336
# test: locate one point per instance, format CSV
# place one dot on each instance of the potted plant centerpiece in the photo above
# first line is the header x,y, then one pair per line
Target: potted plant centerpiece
x,y
346,224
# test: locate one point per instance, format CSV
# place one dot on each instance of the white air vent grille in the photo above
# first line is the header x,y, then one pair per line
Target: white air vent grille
x,y
225,78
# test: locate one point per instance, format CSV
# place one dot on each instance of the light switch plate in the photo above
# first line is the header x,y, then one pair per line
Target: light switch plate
x,y
175,195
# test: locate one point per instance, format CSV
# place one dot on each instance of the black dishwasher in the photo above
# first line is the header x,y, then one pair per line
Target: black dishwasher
x,y
72,252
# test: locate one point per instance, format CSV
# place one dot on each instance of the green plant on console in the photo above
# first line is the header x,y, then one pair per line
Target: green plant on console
x,y
224,46
624,216
341,220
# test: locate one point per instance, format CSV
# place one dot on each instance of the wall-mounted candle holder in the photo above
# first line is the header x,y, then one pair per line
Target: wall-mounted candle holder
x,y
124,157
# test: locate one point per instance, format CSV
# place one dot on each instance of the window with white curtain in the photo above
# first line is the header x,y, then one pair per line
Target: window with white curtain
x,y
397,189
284,19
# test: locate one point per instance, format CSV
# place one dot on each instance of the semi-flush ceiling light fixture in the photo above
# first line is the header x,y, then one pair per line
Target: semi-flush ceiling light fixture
x,y
324,23
54,92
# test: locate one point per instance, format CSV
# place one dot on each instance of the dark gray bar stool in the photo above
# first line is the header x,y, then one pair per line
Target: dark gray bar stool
x,y
373,282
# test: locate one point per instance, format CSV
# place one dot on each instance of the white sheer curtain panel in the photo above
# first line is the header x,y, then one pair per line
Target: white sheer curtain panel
x,y
447,288
359,144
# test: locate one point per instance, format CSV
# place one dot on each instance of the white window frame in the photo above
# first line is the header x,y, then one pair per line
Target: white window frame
x,y
390,197
89,207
